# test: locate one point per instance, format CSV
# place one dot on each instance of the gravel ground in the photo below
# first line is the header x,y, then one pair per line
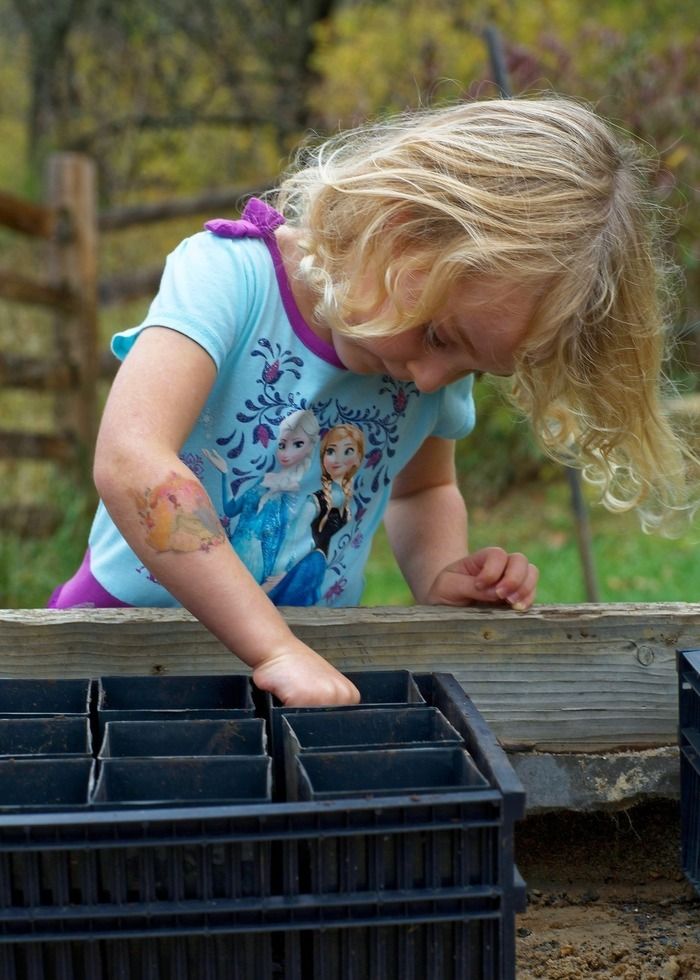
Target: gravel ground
x,y
607,897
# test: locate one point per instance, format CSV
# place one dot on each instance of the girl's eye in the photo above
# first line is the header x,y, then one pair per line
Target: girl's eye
x,y
433,340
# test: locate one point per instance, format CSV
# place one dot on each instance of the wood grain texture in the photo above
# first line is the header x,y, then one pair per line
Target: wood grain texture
x,y
587,678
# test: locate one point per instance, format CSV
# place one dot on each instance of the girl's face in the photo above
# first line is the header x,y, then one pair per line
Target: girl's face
x,y
479,329
340,457
293,447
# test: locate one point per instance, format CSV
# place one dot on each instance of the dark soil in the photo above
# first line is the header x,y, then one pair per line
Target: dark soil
x,y
607,897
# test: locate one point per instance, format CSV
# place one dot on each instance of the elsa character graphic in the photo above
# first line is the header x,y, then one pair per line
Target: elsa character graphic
x,y
264,510
326,512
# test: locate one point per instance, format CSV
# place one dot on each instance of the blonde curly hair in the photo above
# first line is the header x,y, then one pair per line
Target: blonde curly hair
x,y
537,192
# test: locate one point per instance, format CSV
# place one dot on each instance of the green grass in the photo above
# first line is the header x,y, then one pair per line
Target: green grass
x,y
538,520
30,568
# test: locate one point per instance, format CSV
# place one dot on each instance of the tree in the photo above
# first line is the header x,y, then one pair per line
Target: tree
x,y
48,27
120,79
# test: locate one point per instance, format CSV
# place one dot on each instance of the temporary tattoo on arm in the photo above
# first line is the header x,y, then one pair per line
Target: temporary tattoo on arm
x,y
177,515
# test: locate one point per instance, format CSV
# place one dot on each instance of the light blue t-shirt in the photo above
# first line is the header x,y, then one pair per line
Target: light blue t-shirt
x,y
304,526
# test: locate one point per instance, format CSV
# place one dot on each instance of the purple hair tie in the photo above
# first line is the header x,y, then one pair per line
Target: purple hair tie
x,y
257,221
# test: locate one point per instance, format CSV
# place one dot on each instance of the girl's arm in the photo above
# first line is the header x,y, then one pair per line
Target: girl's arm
x,y
427,526
165,515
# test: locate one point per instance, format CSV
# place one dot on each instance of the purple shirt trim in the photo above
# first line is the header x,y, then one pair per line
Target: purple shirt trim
x,y
306,335
83,590
259,220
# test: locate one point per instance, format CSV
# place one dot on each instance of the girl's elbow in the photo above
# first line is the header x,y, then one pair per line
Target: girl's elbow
x,y
111,472
105,480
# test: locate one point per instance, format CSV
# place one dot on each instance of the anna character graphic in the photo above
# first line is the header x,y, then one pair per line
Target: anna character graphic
x,y
325,512
264,510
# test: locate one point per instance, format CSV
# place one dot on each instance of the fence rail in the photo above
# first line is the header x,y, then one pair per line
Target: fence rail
x,y
21,289
38,445
26,217
19,371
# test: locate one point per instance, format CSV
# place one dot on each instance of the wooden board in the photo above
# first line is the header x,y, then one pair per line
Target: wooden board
x,y
588,678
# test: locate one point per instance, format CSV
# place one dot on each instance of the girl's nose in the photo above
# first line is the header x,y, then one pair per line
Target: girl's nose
x,y
429,374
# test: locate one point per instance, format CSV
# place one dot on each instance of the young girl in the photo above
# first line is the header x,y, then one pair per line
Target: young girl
x,y
508,236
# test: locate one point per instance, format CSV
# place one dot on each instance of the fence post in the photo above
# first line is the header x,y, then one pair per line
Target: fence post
x,y
71,190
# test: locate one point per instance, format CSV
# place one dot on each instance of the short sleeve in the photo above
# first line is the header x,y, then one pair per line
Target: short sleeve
x,y
457,415
202,294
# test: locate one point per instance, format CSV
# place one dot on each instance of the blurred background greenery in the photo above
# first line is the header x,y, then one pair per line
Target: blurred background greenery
x,y
175,98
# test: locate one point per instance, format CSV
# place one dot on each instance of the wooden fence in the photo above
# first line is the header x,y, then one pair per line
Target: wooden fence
x,y
70,224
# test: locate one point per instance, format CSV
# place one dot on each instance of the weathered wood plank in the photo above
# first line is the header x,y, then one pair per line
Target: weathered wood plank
x,y
27,217
37,445
23,289
588,678
46,374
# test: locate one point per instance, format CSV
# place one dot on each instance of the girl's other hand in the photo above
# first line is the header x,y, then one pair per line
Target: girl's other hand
x,y
301,678
488,575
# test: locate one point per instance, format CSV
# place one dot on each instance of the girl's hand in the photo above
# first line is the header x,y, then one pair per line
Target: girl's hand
x,y
301,678
488,575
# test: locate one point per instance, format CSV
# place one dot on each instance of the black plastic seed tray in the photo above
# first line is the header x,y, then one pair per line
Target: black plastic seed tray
x,y
463,947
34,698
174,697
469,828
449,847
374,728
52,736
386,772
213,779
160,739
689,744
366,729
170,957
44,782
385,688
424,882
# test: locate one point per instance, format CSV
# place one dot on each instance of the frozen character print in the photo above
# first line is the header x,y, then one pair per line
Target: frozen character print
x,y
325,512
264,510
